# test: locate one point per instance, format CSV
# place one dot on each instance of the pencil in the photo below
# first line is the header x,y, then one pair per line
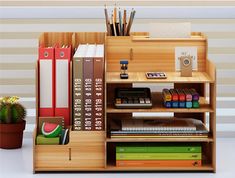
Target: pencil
x,y
124,22
132,19
120,23
115,13
107,20
114,26
129,23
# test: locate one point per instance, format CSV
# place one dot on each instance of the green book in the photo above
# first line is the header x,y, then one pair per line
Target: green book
x,y
159,149
41,140
158,156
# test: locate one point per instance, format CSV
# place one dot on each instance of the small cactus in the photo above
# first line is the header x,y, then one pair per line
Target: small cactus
x,y
11,111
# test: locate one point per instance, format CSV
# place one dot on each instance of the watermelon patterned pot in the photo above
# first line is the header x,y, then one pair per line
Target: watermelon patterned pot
x,y
11,135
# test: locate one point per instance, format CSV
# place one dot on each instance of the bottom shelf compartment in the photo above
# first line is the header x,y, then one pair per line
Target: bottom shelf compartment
x,y
85,151
139,156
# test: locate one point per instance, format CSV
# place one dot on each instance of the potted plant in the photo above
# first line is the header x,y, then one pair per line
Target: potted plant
x,y
12,123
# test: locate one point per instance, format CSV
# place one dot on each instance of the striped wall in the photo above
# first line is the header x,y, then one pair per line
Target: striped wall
x,y
21,22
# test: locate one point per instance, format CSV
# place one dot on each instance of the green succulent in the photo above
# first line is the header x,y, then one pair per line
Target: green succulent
x,y
11,111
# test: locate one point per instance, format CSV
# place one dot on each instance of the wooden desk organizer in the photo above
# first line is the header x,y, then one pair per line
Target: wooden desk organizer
x,y
95,150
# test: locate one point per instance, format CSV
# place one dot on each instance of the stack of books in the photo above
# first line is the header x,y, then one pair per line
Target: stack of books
x,y
88,87
180,98
160,127
159,155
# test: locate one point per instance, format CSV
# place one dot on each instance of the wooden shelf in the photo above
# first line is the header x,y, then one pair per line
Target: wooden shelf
x,y
158,107
114,168
202,168
95,150
164,139
172,77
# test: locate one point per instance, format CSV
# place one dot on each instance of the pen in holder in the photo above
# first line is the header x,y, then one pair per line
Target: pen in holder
x,y
124,67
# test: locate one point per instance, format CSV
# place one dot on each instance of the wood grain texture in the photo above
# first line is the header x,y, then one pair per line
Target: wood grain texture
x,y
87,151
160,53
172,77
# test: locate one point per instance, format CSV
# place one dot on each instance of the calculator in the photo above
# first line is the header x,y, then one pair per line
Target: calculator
x,y
156,75
133,98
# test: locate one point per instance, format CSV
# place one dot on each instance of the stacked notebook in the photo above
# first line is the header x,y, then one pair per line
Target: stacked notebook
x,y
88,87
164,127
159,155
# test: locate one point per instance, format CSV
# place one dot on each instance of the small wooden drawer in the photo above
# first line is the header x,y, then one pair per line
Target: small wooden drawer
x,y
51,156
87,149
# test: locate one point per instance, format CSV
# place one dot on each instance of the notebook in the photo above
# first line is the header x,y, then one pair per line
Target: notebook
x,y
158,124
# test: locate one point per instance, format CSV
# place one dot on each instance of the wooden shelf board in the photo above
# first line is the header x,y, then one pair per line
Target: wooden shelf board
x,y
172,77
202,168
164,139
158,107
114,168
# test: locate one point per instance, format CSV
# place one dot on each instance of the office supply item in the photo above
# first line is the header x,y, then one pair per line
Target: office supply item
x,y
51,130
120,23
167,104
107,21
181,94
165,124
195,104
156,75
195,95
158,148
42,140
158,156
124,68
158,163
114,25
188,94
124,22
62,82
78,87
174,104
186,66
64,138
160,128
166,95
115,14
98,94
170,30
174,95
182,104
189,104
132,15
88,86
46,81
133,98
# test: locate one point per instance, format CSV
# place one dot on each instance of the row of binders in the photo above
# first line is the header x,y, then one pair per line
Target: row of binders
x,y
54,91
54,77
88,87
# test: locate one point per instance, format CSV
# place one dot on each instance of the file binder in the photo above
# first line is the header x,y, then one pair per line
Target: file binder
x,y
46,81
78,101
88,87
62,84
98,122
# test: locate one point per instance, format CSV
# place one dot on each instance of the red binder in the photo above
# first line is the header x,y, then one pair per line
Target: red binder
x,y
46,81
62,84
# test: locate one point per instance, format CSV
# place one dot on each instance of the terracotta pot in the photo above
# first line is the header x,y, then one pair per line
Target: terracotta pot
x,y
11,135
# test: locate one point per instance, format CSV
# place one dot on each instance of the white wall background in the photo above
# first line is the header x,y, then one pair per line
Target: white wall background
x,y
21,22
